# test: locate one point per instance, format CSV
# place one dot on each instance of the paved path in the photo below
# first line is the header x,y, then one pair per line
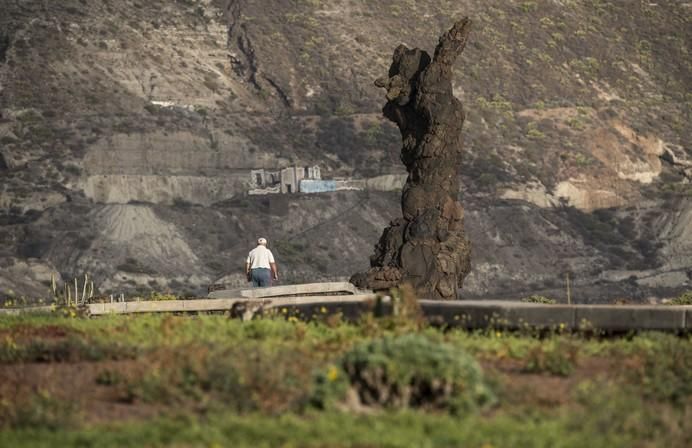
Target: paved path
x,y
305,289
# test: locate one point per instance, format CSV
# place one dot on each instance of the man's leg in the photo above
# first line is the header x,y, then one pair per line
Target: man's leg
x,y
265,278
255,275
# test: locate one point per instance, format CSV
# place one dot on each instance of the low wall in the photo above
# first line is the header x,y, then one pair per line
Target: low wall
x,y
460,314
317,186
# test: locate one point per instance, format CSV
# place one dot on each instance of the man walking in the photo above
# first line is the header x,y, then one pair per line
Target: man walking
x,y
260,266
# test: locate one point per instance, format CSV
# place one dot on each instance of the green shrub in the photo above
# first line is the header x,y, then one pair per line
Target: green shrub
x,y
683,299
539,299
70,349
408,371
665,371
406,312
557,357
155,295
622,418
109,377
172,376
40,410
250,378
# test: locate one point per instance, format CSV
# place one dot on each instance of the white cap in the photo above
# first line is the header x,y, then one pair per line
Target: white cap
x,y
262,241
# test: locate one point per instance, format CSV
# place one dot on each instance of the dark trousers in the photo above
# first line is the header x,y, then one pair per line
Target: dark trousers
x,y
261,277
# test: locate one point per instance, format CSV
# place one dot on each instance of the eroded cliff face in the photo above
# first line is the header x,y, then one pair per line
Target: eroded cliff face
x,y
578,125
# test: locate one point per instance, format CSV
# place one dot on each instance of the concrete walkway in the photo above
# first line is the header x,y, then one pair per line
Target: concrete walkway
x,y
305,289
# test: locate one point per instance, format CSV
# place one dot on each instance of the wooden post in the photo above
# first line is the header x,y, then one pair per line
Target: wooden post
x,y
53,286
84,289
569,296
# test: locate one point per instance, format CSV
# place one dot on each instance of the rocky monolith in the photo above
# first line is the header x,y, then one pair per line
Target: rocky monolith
x,y
427,247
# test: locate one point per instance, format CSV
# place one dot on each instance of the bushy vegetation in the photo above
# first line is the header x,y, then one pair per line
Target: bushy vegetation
x,y
665,372
683,299
410,371
278,381
558,357
39,410
539,299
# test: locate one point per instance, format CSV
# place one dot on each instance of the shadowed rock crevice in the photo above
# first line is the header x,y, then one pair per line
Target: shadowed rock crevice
x,y
238,35
4,47
246,64
427,247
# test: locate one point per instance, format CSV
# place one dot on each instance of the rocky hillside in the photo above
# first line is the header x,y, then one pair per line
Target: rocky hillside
x,y
128,129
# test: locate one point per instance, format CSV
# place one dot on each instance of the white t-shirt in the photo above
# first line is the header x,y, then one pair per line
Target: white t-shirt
x,y
260,257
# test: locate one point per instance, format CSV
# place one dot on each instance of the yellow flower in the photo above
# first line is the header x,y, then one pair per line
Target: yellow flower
x,y
323,310
332,373
9,342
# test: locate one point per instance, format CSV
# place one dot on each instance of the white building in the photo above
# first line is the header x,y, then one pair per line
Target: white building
x,y
286,180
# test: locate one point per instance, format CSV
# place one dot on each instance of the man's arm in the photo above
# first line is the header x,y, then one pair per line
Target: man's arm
x,y
247,270
272,264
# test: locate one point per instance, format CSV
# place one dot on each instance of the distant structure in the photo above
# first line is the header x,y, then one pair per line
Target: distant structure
x,y
291,178
308,180
286,180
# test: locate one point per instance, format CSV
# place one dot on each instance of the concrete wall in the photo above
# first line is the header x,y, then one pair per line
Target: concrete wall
x,y
314,172
262,178
292,177
350,184
317,186
288,180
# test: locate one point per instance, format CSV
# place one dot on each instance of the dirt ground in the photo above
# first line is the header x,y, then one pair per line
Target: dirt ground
x,y
80,383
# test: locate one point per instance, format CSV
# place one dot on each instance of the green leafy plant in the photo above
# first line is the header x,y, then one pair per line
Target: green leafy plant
x,y
109,377
683,299
155,295
69,347
665,370
251,378
559,357
408,371
406,311
40,410
539,299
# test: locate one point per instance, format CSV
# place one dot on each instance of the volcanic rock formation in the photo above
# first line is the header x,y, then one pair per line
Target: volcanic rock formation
x,y
427,247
